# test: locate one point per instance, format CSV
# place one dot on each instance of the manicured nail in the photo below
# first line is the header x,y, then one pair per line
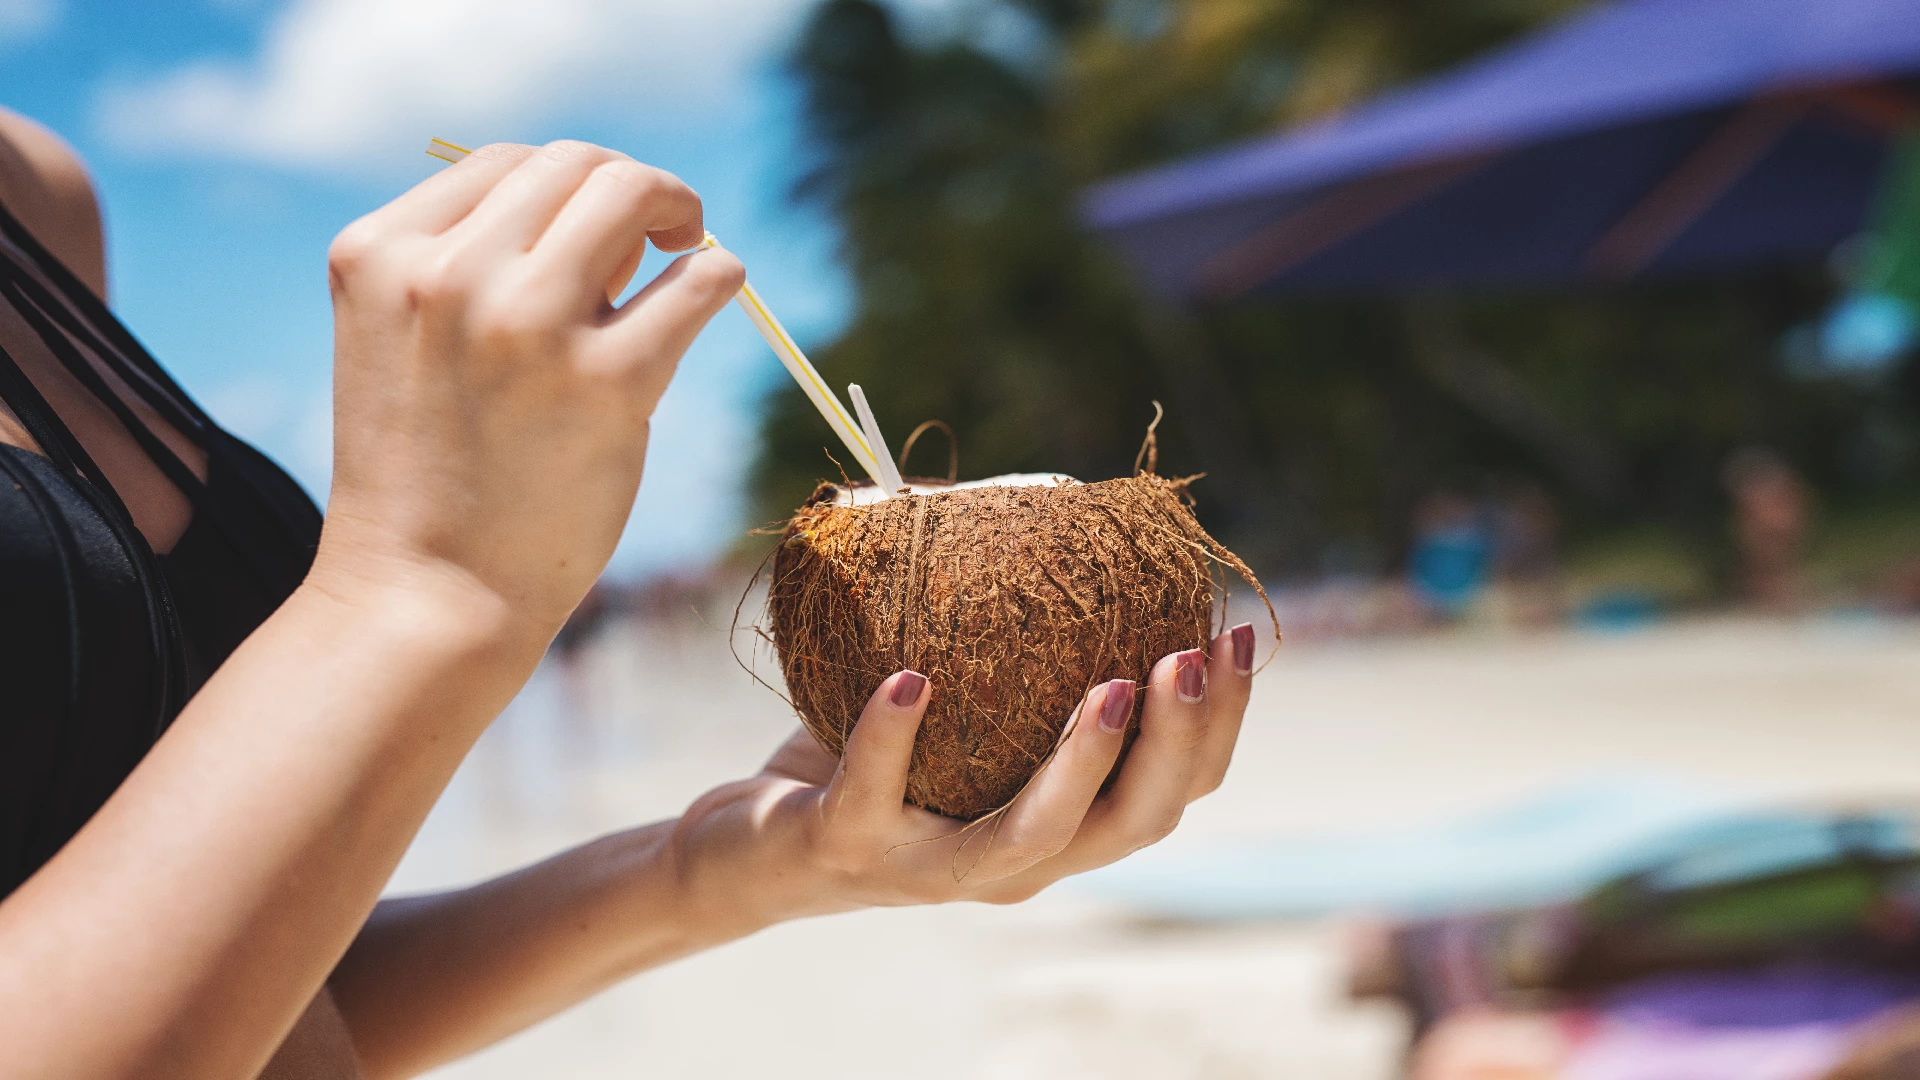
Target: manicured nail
x,y
906,689
1243,648
1190,675
1117,705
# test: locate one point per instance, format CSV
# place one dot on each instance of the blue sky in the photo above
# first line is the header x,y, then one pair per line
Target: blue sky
x,y
230,139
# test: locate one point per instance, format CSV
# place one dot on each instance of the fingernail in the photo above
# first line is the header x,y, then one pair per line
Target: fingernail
x,y
1117,705
1190,675
906,689
1243,648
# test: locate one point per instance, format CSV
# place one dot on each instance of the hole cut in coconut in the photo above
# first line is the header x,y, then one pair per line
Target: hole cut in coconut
x,y
1015,596
865,494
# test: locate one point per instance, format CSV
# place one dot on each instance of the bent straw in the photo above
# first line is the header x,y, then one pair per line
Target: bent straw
x,y
890,482
790,356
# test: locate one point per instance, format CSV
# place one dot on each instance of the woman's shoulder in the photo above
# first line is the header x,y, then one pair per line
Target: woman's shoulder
x,y
45,186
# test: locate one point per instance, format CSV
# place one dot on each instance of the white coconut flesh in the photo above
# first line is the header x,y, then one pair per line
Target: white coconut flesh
x,y
863,494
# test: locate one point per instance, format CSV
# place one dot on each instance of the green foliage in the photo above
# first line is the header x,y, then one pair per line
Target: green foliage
x,y
1645,560
979,302
953,170
1855,548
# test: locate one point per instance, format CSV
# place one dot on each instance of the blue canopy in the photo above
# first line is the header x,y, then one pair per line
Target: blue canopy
x,y
1645,137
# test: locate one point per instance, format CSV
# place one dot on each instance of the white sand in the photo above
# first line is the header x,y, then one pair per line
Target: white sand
x,y
1344,736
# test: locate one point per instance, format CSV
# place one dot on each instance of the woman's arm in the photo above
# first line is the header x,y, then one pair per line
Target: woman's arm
x,y
491,418
434,977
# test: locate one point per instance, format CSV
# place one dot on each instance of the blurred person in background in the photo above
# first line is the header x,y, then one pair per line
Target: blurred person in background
x,y
1782,946
1526,545
221,723
1451,556
1900,592
1772,515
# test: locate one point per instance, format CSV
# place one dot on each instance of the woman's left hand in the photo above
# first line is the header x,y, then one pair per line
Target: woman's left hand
x,y
434,977
811,834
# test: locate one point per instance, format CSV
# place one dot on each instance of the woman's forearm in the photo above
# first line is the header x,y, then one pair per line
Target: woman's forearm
x,y
183,930
433,977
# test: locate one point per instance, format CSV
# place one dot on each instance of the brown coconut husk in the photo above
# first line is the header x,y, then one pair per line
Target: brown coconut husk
x,y
1013,601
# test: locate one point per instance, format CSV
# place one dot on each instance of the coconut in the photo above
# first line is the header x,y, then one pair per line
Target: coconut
x,y
1013,596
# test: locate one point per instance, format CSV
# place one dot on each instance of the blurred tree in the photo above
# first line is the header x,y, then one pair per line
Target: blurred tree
x,y
952,161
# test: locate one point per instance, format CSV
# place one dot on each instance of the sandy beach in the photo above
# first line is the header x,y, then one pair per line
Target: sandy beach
x,y
1367,735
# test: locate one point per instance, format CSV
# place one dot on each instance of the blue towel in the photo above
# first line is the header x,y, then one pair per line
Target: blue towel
x,y
1546,849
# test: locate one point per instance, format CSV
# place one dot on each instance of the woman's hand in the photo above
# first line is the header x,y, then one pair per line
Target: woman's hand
x,y
811,834
491,405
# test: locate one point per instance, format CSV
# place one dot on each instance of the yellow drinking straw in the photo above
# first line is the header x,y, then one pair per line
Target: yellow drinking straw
x,y
445,150
811,383
786,349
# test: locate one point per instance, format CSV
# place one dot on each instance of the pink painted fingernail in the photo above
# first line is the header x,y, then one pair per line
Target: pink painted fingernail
x,y
1243,648
1190,675
1117,705
906,689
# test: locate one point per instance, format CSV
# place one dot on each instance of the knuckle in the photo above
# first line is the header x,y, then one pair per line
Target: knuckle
x,y
505,151
572,150
1190,731
438,281
718,273
887,736
1020,852
1051,843
352,249
1163,828
1154,829
643,183
510,327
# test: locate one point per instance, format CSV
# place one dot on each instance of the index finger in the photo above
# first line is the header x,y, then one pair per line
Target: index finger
x,y
870,786
599,234
442,200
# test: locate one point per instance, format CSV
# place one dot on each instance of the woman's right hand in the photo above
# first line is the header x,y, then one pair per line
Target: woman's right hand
x,y
491,406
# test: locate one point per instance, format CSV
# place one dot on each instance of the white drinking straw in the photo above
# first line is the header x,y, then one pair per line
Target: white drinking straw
x,y
890,483
790,356
810,381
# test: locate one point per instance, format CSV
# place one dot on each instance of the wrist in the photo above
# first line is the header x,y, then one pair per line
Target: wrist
x,y
741,860
423,599
449,651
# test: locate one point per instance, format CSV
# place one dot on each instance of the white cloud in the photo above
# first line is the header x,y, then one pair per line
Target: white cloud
x,y
21,20
342,83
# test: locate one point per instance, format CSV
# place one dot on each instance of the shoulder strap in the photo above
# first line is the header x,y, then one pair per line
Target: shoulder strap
x,y
82,317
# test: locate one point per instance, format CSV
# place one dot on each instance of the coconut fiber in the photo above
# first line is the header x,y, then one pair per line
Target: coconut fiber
x,y
1012,601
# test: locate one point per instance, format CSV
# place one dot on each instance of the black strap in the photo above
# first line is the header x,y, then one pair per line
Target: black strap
x,y
179,408
162,455
157,451
102,332
65,451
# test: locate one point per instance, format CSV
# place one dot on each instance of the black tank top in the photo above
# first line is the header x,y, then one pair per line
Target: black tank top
x,y
102,641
